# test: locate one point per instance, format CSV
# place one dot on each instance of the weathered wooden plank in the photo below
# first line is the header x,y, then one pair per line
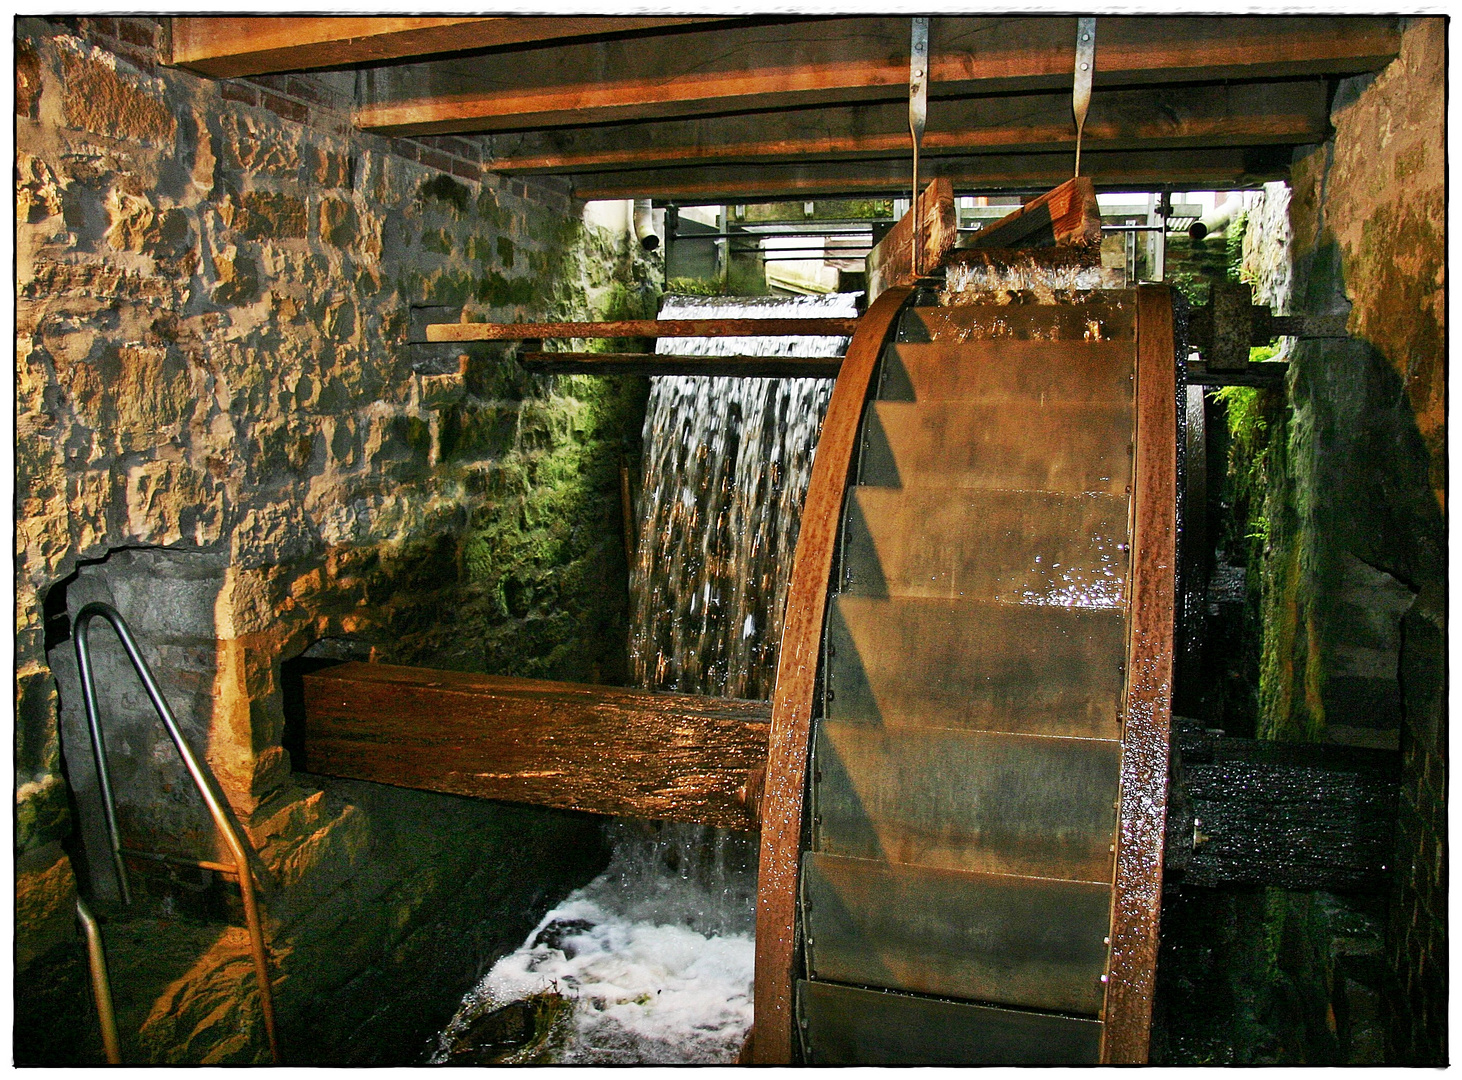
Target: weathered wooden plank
x,y
1065,216
1007,546
993,366
797,662
1291,815
1055,447
1289,113
975,667
642,328
1148,704
1005,324
600,749
917,244
767,367
232,46
986,802
1030,942
783,65
1220,167
850,1025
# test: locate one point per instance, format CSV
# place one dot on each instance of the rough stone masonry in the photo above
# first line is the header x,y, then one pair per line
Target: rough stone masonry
x,y
223,429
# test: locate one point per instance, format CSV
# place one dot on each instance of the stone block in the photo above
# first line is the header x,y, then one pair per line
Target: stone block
x,y
99,94
45,902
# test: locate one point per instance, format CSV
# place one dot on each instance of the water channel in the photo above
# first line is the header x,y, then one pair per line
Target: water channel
x,y
651,962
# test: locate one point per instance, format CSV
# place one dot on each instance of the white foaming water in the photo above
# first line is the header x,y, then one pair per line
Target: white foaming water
x,y
656,954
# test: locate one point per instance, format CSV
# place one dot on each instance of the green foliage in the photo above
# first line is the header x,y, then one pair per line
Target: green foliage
x,y
1234,244
694,287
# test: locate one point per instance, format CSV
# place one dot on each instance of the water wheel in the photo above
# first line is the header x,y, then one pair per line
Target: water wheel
x,y
962,826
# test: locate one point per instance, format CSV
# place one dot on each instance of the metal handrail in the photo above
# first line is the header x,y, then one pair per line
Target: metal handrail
x,y
203,780
101,985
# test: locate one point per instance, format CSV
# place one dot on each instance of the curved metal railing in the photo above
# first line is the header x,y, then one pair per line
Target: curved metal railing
x,y
212,797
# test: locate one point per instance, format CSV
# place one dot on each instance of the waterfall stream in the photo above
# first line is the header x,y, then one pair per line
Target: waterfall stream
x,y
651,962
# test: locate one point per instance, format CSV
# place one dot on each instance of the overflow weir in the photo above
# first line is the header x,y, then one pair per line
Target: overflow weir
x,y
962,801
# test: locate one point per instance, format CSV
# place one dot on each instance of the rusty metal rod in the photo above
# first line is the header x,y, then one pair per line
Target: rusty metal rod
x,y
770,367
214,799
101,984
647,328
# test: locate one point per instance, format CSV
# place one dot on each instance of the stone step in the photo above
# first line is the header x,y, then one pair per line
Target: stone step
x,y
1016,547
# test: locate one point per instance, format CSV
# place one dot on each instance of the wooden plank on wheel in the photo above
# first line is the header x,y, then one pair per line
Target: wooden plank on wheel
x,y
892,262
1066,216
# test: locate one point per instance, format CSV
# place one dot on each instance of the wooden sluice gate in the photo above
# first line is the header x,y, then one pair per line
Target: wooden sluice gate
x,y
961,780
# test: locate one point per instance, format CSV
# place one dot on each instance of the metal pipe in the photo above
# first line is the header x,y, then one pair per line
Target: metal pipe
x,y
212,798
101,985
643,220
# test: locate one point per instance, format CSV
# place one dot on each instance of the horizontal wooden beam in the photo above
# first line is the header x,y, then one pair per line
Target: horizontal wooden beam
x,y
600,749
1169,117
642,328
1110,171
234,46
825,61
744,367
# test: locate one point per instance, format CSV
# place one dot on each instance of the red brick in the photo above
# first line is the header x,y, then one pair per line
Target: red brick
x,y
235,91
466,170
436,160
290,110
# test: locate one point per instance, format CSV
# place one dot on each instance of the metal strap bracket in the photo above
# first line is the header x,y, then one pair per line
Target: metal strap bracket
x,y
1081,86
918,110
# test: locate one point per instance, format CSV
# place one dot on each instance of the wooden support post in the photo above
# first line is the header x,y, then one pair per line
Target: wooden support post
x,y
891,264
600,749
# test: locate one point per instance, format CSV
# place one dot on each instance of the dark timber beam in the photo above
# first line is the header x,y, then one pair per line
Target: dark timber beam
x,y
743,367
825,61
233,46
1110,171
1291,815
642,328
600,749
1172,117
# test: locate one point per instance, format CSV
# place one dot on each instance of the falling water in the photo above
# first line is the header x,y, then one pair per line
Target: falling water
x,y
651,962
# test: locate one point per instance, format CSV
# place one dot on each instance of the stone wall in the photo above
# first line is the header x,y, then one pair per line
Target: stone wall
x,y
1355,571
223,425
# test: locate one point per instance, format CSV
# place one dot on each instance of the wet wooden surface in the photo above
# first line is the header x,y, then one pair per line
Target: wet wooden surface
x,y
973,666
1050,447
1109,321
776,367
1065,216
642,328
904,255
600,749
975,801
797,663
851,1025
1138,883
1097,374
1014,547
1032,942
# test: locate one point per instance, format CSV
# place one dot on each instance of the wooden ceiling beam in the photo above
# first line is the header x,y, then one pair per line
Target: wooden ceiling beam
x,y
232,46
1109,170
793,64
1241,114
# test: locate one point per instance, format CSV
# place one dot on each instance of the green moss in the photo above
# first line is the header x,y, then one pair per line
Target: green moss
x,y
443,189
